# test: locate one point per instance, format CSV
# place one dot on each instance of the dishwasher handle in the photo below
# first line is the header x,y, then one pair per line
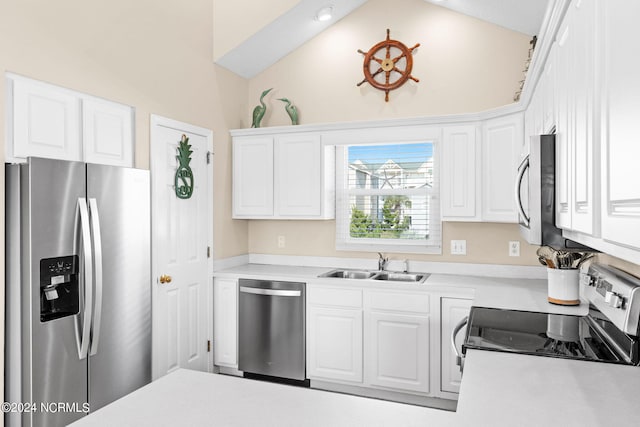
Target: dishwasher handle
x,y
270,292
454,333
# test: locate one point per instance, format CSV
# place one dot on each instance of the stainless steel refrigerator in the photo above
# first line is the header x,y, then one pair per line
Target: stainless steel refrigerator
x,y
78,288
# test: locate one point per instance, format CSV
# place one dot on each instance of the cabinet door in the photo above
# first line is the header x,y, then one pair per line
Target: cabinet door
x,y
453,310
253,177
459,173
335,344
582,105
620,124
501,141
298,175
564,128
46,122
107,132
548,91
225,322
398,351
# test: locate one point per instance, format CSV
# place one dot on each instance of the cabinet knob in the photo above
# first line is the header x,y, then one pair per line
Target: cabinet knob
x,y
165,279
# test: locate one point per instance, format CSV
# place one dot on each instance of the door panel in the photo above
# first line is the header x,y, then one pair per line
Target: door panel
x,y
55,187
399,351
180,242
123,359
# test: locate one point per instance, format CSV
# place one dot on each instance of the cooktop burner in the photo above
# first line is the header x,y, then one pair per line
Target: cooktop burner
x,y
590,337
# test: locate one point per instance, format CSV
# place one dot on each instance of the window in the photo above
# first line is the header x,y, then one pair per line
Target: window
x,y
387,198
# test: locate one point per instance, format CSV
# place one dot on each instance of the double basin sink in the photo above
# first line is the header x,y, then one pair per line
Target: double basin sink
x,y
384,275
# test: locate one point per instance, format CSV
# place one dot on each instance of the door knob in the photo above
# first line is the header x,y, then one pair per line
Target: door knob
x,y
165,279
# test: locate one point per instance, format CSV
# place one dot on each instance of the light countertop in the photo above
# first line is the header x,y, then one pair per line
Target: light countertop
x,y
498,389
507,293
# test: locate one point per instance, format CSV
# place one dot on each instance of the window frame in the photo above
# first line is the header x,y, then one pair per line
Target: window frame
x,y
344,242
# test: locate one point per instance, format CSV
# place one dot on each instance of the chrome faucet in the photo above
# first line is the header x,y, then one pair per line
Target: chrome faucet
x,y
406,266
382,262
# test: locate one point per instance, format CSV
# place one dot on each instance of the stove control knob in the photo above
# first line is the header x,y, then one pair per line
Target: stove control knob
x,y
615,300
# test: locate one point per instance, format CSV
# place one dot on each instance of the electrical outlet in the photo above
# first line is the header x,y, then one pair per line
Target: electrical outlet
x,y
458,247
281,242
514,248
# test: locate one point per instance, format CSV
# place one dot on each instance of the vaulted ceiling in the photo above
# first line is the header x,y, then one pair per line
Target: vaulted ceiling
x,y
251,35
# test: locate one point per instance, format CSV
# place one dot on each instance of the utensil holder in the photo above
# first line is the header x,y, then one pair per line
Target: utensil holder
x,y
563,286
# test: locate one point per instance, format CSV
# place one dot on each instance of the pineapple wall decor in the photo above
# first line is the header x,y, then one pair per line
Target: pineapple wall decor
x,y
184,175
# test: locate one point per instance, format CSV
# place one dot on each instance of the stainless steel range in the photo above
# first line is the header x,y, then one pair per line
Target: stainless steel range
x,y
608,333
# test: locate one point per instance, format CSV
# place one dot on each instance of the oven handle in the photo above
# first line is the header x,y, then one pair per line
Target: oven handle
x,y
270,292
454,333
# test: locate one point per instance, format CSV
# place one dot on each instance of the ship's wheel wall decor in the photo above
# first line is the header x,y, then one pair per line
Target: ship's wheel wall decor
x,y
391,69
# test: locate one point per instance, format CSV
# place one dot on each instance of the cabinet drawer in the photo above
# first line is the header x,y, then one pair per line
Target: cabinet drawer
x,y
398,301
335,297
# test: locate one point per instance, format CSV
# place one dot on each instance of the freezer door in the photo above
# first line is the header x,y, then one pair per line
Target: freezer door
x,y
120,360
52,371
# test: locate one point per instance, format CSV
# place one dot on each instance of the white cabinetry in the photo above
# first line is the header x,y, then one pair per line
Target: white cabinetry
x,y
53,122
253,177
478,171
452,311
335,344
459,172
501,141
334,338
225,322
397,340
107,132
575,131
46,122
620,125
289,176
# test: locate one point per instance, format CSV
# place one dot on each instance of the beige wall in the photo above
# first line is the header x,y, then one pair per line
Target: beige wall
x,y
464,65
153,55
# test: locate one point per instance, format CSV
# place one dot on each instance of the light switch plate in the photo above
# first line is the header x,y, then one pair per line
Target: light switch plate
x,y
458,247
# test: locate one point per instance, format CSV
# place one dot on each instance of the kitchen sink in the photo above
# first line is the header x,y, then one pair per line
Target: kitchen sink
x,y
389,276
349,274
401,277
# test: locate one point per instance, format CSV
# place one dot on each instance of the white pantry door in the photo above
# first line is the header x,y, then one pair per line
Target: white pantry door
x,y
182,236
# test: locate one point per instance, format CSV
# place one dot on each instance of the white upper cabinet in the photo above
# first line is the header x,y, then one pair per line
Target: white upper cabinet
x,y
459,172
53,122
501,142
620,151
107,132
253,177
479,164
298,172
576,141
289,176
46,122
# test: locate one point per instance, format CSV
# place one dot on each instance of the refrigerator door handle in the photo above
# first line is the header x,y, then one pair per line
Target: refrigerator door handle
x,y
97,251
82,219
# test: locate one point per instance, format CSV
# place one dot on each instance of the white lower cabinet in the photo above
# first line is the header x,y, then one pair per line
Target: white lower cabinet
x,y
398,351
225,322
452,311
369,338
335,344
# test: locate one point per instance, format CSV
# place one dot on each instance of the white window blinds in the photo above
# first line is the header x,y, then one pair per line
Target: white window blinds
x,y
387,198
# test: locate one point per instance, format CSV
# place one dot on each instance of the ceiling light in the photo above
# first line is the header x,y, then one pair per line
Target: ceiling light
x,y
325,14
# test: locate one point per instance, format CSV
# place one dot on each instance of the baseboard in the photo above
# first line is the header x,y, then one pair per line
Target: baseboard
x,y
411,399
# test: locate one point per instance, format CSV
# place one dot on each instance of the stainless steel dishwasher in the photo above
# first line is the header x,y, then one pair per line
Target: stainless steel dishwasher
x,y
272,330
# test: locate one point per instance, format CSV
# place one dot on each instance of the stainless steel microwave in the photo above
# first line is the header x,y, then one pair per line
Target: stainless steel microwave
x,y
535,196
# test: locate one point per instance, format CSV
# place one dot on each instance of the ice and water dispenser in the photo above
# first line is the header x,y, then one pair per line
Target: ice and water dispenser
x,y
59,287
